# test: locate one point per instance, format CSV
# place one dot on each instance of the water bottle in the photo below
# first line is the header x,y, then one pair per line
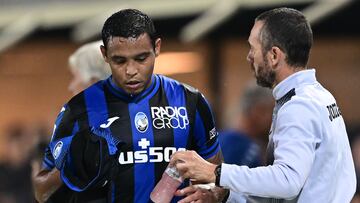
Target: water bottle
x,y
166,187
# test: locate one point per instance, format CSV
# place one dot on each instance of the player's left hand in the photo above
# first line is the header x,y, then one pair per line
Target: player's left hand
x,y
191,165
196,195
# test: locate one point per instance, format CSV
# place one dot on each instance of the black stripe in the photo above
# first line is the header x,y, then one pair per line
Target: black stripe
x,y
66,125
287,97
207,119
191,97
48,157
78,109
121,129
162,137
211,151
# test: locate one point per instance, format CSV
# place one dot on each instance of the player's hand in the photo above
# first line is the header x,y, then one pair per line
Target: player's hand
x,y
196,195
191,165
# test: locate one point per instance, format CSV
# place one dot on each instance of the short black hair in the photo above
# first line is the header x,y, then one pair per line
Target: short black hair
x,y
128,23
289,30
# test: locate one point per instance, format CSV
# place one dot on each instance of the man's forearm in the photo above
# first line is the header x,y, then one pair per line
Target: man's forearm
x,y
46,182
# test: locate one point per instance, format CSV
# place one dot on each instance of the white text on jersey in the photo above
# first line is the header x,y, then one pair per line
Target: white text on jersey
x,y
152,155
169,117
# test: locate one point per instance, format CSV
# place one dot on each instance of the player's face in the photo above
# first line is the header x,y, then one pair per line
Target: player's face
x,y
131,61
264,74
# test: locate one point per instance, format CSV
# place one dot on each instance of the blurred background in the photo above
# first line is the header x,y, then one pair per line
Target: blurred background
x,y
204,45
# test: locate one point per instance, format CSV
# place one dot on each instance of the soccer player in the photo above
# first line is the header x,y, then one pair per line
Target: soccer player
x,y
308,151
118,135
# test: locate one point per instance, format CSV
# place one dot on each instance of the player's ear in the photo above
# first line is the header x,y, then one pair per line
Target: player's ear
x,y
157,46
103,52
275,55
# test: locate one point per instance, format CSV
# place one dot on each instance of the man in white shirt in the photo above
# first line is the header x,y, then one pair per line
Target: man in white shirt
x,y
309,157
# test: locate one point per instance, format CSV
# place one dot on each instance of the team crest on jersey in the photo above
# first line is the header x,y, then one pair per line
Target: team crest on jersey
x,y
141,122
57,149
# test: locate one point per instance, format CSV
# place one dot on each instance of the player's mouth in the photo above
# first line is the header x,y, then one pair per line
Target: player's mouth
x,y
133,85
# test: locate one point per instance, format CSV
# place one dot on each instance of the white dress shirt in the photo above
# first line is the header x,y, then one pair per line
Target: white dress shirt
x,y
311,156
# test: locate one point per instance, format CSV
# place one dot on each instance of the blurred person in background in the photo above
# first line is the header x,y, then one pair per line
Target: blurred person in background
x,y
87,66
118,134
15,167
245,143
308,152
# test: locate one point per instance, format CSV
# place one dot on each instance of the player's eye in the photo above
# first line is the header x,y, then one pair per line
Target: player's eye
x,y
142,57
119,60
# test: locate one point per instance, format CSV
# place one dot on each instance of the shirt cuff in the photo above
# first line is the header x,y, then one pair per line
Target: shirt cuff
x,y
224,177
236,198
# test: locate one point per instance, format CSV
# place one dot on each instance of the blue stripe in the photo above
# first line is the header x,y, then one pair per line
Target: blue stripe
x,y
47,164
48,161
97,111
176,98
96,105
144,172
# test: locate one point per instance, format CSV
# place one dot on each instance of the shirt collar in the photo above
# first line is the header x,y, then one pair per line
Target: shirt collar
x,y
294,81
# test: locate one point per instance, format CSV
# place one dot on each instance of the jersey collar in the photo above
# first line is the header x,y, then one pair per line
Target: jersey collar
x,y
119,92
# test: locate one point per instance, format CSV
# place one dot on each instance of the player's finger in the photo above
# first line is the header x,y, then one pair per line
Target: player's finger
x,y
177,157
191,197
181,167
186,191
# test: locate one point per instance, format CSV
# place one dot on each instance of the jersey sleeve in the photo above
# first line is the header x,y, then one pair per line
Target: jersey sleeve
x,y
59,128
205,132
65,128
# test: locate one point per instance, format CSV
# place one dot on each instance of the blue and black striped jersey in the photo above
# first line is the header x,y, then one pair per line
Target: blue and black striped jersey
x,y
166,117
